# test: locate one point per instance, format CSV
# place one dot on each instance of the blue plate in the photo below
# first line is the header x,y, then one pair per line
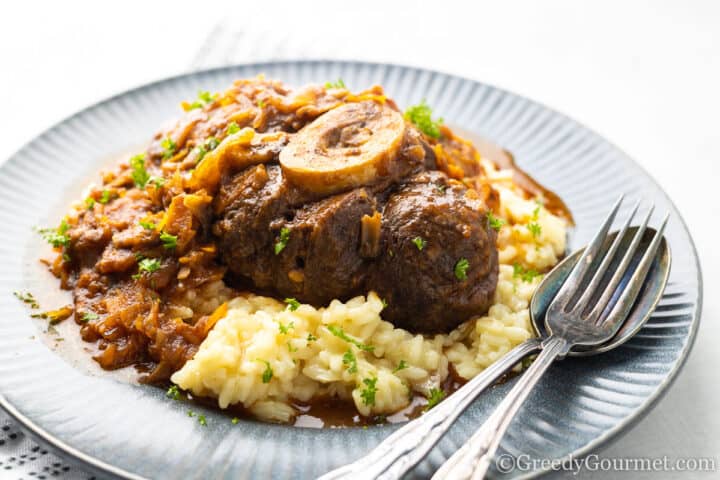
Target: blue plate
x,y
120,429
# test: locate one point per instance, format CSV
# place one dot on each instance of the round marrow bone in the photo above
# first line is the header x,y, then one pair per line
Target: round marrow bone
x,y
350,146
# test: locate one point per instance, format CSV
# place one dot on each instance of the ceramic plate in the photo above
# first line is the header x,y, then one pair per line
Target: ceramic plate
x,y
130,431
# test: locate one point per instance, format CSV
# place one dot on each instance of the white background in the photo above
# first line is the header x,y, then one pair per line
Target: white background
x,y
643,74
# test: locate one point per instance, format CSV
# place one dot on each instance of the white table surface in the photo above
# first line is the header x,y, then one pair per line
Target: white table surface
x,y
643,74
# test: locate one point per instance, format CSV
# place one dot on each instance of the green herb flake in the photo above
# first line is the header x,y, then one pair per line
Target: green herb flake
x,y
340,333
290,347
339,83
202,421
235,420
157,181
495,222
89,316
421,116
283,241
89,203
169,241
368,393
260,103
535,229
148,265
461,268
169,147
419,242
212,143
232,128
147,225
267,374
105,196
57,237
434,397
284,329
350,361
526,275
139,174
292,304
401,366
173,392
190,413
203,98
27,298
311,337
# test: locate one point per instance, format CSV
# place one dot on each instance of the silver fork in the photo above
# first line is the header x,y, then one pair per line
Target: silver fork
x,y
581,314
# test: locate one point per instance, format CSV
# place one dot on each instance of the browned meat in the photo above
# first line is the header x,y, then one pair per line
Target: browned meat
x,y
321,260
429,226
250,202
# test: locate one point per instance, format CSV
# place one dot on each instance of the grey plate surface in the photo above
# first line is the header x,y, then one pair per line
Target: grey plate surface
x,y
131,431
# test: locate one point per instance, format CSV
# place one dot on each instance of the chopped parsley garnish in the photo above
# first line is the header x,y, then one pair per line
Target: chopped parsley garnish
x,y
495,222
336,84
523,274
157,181
57,237
201,152
434,397
368,393
260,103
204,98
147,225
267,373
534,228
440,187
27,298
89,316
350,361
461,268
284,329
384,303
105,196
232,127
168,241
401,366
191,413
235,420
173,392
292,304
148,265
202,421
291,349
340,333
311,337
139,174
89,203
419,242
282,242
421,116
169,146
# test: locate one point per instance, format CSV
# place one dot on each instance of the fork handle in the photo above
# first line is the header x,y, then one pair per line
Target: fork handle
x,y
402,450
473,459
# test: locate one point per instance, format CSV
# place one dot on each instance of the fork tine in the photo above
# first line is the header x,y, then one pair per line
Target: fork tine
x,y
583,264
621,309
594,284
609,290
